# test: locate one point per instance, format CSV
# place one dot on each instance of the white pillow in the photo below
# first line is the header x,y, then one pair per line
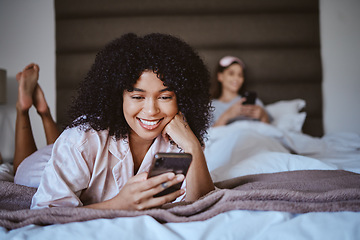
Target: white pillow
x,y
286,114
285,107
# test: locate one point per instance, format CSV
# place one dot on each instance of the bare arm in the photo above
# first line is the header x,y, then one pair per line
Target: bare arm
x,y
238,109
230,113
198,179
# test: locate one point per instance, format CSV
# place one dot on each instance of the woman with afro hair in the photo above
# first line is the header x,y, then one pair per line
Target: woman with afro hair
x,y
143,95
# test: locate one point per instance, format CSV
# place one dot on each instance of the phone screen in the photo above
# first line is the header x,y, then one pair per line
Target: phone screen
x,y
177,163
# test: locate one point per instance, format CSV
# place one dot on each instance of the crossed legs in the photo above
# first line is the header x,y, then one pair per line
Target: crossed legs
x,y
31,94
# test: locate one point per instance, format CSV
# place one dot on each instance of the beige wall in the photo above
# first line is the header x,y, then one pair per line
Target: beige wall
x,y
340,42
26,35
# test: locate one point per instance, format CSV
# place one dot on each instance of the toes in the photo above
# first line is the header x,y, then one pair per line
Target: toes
x,y
18,76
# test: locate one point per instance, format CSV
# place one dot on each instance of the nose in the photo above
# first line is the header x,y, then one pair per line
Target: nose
x,y
151,107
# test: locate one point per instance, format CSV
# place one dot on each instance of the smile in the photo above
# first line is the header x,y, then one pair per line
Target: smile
x,y
149,124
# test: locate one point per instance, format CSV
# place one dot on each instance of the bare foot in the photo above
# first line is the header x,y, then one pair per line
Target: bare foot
x,y
27,82
40,101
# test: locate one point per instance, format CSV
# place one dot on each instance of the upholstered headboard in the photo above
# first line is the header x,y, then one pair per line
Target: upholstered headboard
x,y
277,39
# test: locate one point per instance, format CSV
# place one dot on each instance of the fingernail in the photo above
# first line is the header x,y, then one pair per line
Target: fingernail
x,y
171,175
180,177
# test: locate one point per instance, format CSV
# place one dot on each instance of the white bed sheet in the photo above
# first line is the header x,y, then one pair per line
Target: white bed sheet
x,y
234,224
238,149
245,147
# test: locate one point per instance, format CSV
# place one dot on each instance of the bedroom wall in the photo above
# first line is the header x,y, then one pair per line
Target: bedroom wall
x,y
273,39
27,35
340,43
20,44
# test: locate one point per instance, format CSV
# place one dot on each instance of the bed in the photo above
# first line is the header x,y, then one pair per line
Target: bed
x,y
273,182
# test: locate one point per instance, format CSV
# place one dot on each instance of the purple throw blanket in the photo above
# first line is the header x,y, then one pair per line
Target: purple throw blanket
x,y
296,192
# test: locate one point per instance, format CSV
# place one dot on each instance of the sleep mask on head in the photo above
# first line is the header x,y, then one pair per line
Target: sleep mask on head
x,y
228,60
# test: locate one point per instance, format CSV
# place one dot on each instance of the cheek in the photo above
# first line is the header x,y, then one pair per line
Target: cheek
x,y
175,111
172,110
129,109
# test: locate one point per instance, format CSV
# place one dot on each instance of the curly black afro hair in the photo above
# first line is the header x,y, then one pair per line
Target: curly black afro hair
x,y
120,64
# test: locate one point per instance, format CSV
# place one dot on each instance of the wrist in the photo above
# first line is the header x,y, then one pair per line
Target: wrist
x,y
194,148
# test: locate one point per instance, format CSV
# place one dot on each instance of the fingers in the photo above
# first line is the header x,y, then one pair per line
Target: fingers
x,y
158,180
159,183
139,177
182,116
164,132
176,128
165,135
253,111
160,200
164,185
154,185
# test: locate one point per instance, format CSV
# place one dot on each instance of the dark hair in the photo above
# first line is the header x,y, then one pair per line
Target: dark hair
x,y
119,65
216,87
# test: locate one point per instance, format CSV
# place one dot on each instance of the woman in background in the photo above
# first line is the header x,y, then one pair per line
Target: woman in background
x,y
227,100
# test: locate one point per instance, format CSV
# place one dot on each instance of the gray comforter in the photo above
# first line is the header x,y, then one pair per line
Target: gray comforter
x,y
296,192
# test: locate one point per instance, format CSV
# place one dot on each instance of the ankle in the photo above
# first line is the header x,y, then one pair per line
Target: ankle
x,y
20,108
45,113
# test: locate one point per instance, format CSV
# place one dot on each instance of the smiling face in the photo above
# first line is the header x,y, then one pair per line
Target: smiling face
x,y
232,78
148,107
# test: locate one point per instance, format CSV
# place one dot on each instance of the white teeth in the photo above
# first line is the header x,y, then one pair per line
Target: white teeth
x,y
150,123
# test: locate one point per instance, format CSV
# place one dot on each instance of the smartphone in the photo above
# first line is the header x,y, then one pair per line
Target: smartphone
x,y
177,163
250,97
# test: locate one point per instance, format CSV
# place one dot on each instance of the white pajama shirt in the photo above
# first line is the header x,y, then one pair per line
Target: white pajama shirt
x,y
89,167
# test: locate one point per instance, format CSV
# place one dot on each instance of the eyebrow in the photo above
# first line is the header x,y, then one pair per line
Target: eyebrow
x,y
142,90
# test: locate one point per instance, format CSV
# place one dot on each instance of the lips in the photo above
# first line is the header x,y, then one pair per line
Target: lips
x,y
149,124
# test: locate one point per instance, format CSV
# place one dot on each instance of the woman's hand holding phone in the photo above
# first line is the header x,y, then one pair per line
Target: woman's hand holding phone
x,y
138,193
178,163
198,179
250,98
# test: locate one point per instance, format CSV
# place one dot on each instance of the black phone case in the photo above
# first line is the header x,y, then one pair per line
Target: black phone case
x,y
250,97
177,163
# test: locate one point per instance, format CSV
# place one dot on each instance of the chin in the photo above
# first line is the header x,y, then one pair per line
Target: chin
x,y
148,136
